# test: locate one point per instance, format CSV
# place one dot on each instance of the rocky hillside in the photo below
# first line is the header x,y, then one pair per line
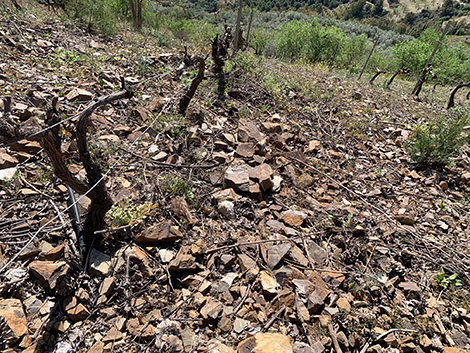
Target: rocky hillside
x,y
283,218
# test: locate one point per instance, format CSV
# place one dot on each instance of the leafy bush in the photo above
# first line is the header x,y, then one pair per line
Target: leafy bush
x,y
176,186
203,36
452,63
259,40
96,15
161,38
183,28
244,61
414,54
435,144
353,50
291,39
322,42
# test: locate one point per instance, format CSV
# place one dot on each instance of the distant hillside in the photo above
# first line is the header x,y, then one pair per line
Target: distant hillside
x,y
405,16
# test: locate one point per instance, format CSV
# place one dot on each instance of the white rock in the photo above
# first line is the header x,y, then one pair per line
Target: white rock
x,y
226,208
7,173
166,255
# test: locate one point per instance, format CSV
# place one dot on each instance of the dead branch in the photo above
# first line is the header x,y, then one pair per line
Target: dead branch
x,y
332,333
210,251
184,102
219,50
451,102
238,307
378,72
273,318
402,71
368,58
383,335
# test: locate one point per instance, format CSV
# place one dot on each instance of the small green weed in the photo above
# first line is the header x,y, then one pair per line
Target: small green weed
x,y
265,108
244,111
174,126
441,205
67,56
102,152
273,83
162,39
143,67
174,185
448,281
44,175
124,213
348,221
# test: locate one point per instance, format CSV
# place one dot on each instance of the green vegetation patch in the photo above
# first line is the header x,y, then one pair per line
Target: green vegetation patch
x,y
439,141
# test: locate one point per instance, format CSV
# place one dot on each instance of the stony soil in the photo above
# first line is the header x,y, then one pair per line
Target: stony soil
x,y
285,218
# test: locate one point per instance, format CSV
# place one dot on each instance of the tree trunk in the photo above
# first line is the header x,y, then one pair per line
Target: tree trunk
x,y
50,140
217,48
403,70
136,10
332,60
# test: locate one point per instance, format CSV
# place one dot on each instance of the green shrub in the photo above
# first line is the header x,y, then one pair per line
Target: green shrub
x,y
259,40
204,35
353,51
452,63
322,42
434,145
162,39
291,39
414,54
96,15
244,61
183,28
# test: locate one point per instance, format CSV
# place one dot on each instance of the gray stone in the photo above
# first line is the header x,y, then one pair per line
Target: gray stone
x,y
238,178
99,263
273,253
226,208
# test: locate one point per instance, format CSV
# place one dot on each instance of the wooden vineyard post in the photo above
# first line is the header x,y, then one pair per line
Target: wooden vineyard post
x,y
368,58
422,77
